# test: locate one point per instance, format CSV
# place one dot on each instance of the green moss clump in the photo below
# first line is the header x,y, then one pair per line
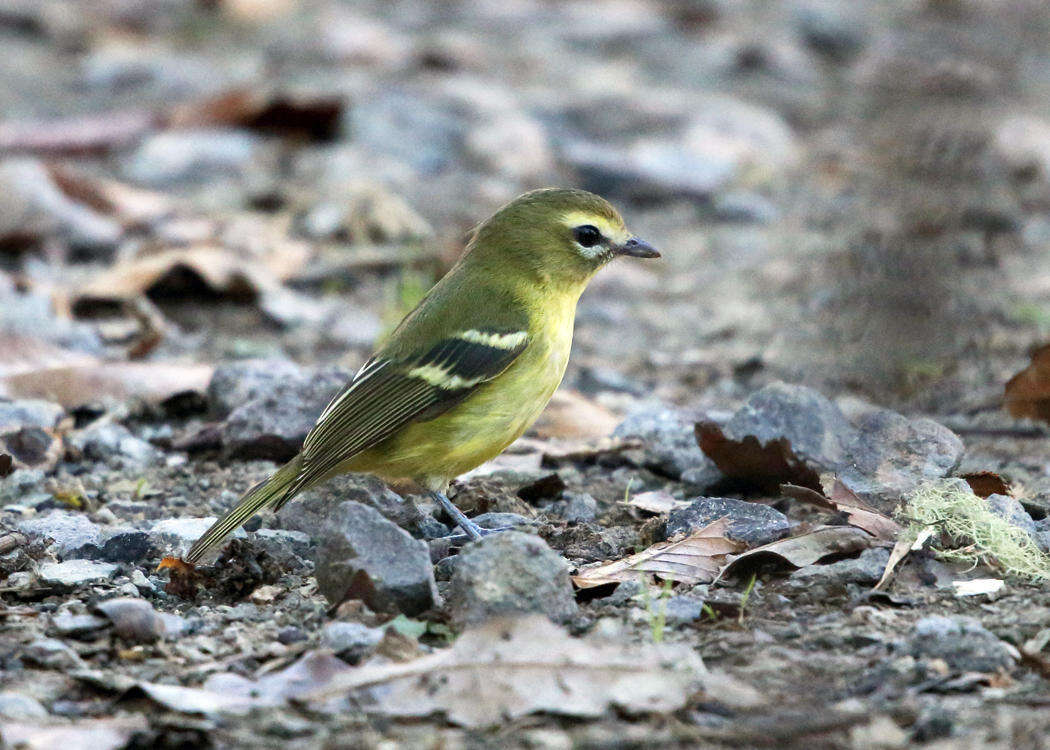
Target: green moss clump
x,y
975,533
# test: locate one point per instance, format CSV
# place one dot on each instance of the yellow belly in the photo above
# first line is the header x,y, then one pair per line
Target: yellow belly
x,y
436,451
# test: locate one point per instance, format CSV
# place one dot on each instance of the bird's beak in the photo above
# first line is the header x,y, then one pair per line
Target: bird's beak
x,y
637,248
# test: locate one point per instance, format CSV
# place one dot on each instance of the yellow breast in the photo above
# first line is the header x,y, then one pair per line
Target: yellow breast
x,y
485,423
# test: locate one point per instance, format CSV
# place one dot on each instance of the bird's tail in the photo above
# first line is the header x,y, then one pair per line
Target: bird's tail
x,y
269,493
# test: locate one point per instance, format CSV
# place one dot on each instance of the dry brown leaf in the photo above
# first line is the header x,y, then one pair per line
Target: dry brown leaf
x,y
573,416
764,464
219,270
507,669
986,483
900,550
841,499
657,501
808,548
695,559
74,386
858,512
131,206
313,116
1027,394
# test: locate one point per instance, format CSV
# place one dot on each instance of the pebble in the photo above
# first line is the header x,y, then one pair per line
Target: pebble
x,y
134,619
274,424
669,439
752,523
68,624
51,653
113,443
234,384
962,642
172,156
864,570
351,640
70,534
362,555
308,513
179,533
510,573
20,707
75,572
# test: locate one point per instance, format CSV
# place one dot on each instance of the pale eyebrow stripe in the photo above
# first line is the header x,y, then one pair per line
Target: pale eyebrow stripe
x,y
610,231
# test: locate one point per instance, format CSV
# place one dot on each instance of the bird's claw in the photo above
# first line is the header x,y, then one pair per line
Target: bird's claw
x,y
474,533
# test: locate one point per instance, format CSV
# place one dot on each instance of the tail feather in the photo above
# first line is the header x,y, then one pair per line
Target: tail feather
x,y
269,493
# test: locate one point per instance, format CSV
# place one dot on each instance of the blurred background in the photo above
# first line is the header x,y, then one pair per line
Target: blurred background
x,y
853,195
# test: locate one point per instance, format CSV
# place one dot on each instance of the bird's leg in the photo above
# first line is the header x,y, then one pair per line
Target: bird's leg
x,y
470,528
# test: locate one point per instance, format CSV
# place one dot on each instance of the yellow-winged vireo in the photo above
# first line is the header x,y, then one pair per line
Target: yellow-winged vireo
x,y
470,368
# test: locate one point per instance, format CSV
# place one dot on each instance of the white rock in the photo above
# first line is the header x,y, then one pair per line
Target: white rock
x,y
76,572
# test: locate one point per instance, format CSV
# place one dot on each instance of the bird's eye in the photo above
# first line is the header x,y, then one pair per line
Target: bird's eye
x,y
587,235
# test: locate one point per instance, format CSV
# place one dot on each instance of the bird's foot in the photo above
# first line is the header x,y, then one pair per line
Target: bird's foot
x,y
472,533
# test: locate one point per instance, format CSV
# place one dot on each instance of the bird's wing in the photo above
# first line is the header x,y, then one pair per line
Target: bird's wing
x,y
388,393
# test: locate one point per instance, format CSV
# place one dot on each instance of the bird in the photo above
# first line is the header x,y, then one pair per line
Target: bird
x,y
469,369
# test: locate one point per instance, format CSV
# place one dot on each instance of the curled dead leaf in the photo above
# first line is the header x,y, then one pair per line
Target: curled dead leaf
x,y
153,382
809,548
571,415
840,499
763,464
1027,394
986,483
696,558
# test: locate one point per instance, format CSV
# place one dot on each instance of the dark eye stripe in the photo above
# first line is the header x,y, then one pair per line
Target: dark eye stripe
x,y
587,235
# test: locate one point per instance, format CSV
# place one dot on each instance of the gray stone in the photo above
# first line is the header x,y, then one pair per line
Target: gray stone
x,y
128,546
172,156
75,572
177,534
234,384
32,447
831,28
308,513
752,523
35,206
71,625
51,653
24,487
684,609
20,707
510,573
362,555
889,455
410,126
69,534
648,169
351,640
962,642
790,433
28,413
134,619
670,444
111,442
1010,509
575,507
866,569
289,549
274,424
815,428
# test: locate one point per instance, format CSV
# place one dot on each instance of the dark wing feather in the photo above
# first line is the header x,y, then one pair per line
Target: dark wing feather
x,y
388,394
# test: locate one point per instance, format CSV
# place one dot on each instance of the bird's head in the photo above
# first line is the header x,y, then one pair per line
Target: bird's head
x,y
556,234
